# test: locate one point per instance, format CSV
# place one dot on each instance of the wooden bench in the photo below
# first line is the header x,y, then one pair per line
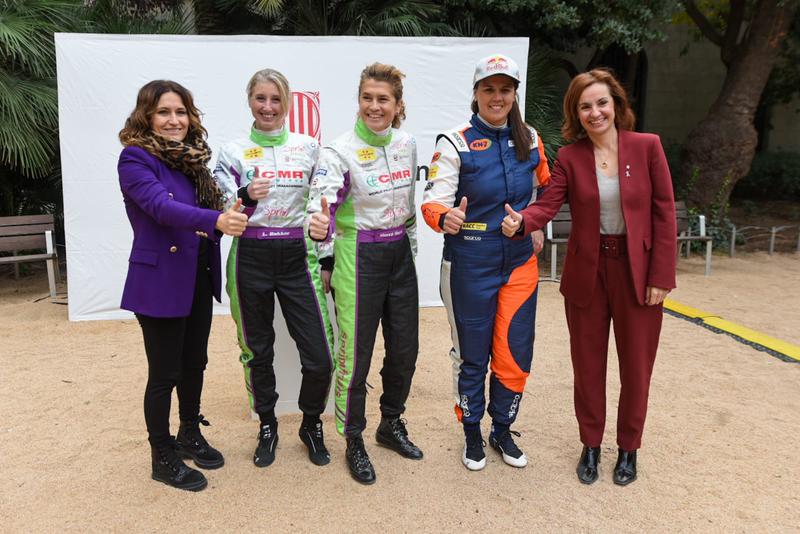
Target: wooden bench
x,y
557,233
685,235
29,233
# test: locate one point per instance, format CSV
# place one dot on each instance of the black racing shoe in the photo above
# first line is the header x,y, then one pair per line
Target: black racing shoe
x,y
311,435
190,443
473,457
392,434
267,442
504,444
170,469
358,461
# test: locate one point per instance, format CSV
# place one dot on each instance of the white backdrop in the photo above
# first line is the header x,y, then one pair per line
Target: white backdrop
x,y
100,75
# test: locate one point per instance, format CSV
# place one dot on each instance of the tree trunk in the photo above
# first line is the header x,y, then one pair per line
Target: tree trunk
x,y
719,150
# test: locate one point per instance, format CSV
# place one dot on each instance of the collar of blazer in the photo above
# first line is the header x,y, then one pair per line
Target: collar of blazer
x,y
584,152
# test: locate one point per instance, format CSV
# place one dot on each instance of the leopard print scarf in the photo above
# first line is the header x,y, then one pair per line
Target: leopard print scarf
x,y
190,157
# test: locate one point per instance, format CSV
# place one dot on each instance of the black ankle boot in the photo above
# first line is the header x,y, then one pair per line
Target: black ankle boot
x,y
311,435
625,470
190,443
358,461
170,469
392,434
587,465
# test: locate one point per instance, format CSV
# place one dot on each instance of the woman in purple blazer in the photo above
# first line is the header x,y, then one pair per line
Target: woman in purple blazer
x,y
174,208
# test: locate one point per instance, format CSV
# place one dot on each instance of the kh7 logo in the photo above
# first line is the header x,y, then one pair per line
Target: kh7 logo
x,y
373,180
257,172
479,145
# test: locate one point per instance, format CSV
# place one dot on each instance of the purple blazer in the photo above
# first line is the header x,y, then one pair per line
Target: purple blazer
x,y
162,208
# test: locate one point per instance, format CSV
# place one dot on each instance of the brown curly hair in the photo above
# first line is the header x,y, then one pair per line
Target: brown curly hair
x,y
391,75
137,125
624,118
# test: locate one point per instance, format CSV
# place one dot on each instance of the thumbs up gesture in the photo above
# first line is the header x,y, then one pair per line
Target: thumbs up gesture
x,y
232,222
455,217
511,222
320,222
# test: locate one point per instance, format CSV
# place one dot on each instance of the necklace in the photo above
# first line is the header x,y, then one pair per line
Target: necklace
x,y
603,160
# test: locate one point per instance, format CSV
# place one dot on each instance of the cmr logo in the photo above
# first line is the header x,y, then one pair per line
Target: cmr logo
x,y
304,116
269,174
374,180
479,145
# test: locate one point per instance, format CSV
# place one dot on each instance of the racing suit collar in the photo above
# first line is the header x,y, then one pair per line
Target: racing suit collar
x,y
486,128
267,138
370,137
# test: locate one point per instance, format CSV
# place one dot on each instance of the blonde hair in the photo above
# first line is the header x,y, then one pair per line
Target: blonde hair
x,y
280,81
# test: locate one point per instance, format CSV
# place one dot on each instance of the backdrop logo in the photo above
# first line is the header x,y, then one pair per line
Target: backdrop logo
x,y
304,115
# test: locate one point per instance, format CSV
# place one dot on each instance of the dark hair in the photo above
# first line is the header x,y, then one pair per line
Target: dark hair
x,y
520,132
390,74
138,123
624,117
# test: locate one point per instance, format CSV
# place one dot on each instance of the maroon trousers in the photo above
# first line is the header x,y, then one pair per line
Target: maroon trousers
x,y
636,331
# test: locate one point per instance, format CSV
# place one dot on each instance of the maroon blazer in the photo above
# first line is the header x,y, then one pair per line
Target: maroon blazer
x,y
648,207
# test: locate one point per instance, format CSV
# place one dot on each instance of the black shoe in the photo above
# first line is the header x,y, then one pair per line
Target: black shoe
x,y
358,461
170,469
473,457
625,470
504,444
392,434
190,443
311,435
267,442
587,465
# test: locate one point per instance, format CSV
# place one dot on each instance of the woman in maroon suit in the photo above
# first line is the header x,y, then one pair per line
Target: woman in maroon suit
x,y
620,258
173,205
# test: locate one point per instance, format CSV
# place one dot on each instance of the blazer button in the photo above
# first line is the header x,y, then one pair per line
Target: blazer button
x,y
173,248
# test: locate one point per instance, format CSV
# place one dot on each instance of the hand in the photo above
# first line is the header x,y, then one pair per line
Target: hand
x,y
258,188
232,222
512,222
326,279
538,241
655,295
320,222
455,218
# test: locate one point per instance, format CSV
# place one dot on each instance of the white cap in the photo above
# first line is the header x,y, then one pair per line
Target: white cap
x,y
496,64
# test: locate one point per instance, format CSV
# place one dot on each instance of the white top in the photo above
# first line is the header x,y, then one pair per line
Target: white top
x,y
611,220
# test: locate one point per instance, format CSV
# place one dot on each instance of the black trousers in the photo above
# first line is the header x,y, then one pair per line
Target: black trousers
x,y
262,270
378,286
177,354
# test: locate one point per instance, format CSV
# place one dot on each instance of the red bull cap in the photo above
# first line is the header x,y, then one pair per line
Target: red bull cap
x,y
496,64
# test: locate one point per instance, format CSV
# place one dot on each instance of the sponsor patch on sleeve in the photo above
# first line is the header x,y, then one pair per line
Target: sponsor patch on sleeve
x,y
433,172
435,158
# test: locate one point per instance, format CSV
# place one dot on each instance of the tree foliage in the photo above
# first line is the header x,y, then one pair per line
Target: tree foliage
x,y
751,35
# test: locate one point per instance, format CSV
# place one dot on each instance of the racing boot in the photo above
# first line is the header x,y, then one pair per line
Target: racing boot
x,y
190,443
500,440
311,435
267,442
473,457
